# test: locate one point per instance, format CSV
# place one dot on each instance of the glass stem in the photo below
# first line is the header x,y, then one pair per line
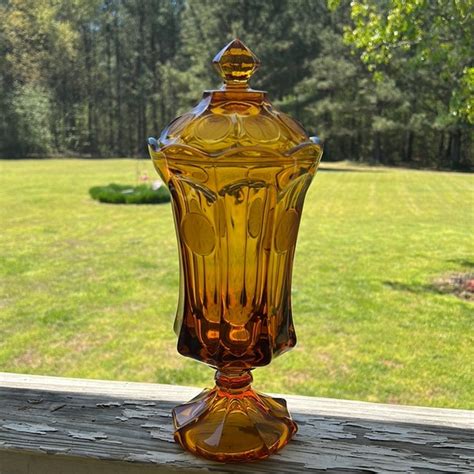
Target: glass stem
x,y
233,382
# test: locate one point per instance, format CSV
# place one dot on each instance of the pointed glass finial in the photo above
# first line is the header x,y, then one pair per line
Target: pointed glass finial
x,y
235,63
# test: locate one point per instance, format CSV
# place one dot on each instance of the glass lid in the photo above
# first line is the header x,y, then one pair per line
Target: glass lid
x,y
234,119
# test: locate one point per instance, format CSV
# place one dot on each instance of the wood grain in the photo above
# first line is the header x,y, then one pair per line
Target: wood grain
x,y
57,425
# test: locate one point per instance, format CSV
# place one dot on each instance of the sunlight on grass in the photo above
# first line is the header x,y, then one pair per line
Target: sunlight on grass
x,y
90,289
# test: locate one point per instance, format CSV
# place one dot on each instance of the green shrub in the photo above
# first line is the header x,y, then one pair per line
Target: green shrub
x,y
123,194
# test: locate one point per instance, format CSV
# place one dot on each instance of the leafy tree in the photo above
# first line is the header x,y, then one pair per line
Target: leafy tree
x,y
35,42
382,81
30,124
433,41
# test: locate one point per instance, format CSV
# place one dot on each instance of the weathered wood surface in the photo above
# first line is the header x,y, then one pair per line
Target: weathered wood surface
x,y
52,425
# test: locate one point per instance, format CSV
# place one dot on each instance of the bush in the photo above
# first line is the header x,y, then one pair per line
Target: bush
x,y
123,194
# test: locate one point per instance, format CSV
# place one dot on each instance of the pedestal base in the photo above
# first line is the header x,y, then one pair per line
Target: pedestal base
x,y
232,422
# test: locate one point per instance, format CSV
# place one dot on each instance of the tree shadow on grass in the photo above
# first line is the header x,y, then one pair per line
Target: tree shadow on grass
x,y
456,284
462,262
412,288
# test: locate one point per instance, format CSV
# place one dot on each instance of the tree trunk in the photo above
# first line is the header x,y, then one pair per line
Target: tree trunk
x,y
377,150
448,148
141,111
118,146
354,142
88,65
455,152
439,157
110,114
408,150
154,104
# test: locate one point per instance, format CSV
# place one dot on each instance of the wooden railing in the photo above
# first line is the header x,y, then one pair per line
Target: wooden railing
x,y
51,425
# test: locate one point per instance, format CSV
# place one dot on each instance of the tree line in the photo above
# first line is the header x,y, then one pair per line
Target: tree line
x,y
389,82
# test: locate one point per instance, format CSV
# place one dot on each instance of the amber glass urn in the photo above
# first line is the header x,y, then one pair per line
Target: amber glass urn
x,y
238,171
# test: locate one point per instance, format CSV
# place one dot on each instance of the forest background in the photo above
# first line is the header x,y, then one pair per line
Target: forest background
x,y
384,82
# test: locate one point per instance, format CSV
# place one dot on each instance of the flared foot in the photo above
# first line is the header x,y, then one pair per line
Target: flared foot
x,y
233,423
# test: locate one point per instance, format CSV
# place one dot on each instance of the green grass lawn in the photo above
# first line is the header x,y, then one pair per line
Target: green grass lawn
x,y
90,289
